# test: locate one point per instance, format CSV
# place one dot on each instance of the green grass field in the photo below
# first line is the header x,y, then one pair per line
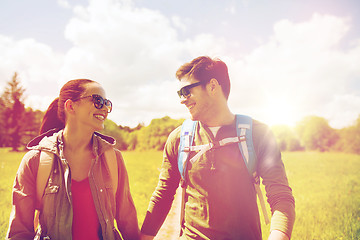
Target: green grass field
x,y
326,187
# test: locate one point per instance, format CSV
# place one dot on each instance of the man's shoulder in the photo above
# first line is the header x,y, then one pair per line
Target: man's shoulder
x,y
263,136
174,136
176,132
258,124
260,131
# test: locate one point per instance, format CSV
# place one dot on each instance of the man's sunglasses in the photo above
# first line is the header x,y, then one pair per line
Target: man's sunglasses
x,y
99,102
185,91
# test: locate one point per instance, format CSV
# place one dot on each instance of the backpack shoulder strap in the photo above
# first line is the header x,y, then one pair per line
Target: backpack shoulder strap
x,y
46,161
45,165
111,162
244,128
186,140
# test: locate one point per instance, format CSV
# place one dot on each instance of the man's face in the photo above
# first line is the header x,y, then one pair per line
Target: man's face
x,y
196,98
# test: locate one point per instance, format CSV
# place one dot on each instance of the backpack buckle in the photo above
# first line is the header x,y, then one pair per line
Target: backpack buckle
x,y
182,183
215,144
256,179
187,138
242,138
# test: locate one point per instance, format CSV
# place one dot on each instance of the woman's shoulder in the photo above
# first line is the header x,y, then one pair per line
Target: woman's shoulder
x,y
30,162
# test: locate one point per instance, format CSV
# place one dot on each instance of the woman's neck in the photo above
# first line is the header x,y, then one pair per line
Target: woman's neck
x,y
76,139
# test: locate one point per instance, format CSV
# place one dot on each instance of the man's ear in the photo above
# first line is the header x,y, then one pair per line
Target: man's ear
x,y
69,106
214,84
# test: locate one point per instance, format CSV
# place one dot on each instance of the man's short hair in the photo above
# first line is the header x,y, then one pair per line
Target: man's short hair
x,y
204,69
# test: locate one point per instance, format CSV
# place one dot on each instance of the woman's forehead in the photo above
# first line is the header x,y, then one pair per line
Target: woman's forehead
x,y
94,88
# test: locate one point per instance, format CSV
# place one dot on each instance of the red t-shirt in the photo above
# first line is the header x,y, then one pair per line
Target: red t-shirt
x,y
85,224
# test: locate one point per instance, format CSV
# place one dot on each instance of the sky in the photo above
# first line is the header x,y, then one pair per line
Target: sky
x,y
286,59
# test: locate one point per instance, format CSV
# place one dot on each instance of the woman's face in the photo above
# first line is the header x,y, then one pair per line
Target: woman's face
x,y
86,113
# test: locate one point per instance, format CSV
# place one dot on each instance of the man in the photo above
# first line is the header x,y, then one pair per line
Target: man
x,y
220,199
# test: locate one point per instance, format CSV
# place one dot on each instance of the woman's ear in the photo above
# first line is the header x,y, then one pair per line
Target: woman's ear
x,y
69,106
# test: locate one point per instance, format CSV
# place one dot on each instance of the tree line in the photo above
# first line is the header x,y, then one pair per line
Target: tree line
x,y
18,125
312,133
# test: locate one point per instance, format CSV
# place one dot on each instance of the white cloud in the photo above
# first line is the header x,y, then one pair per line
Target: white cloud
x,y
320,33
136,46
302,65
63,3
176,20
36,64
149,102
231,9
206,44
133,53
342,110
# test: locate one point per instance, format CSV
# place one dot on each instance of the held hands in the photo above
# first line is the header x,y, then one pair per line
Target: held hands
x,y
146,237
277,235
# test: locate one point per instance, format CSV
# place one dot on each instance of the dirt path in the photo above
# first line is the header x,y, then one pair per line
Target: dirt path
x,y
171,228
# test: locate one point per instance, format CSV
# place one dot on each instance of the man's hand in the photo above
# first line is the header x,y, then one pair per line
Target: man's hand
x,y
146,237
277,235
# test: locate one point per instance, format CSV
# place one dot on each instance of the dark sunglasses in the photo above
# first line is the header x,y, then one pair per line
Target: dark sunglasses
x,y
185,91
99,102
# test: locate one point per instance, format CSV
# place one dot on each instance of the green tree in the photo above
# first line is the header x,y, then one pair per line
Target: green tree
x,y
286,138
31,127
126,137
132,140
155,135
316,134
350,138
12,116
114,131
3,133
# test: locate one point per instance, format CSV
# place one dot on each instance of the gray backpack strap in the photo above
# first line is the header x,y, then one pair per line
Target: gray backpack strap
x,y
111,162
186,140
46,162
45,165
244,128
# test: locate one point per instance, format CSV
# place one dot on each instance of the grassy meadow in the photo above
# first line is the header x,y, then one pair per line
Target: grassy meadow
x,y
326,187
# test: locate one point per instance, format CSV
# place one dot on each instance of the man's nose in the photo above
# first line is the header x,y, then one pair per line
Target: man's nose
x,y
183,99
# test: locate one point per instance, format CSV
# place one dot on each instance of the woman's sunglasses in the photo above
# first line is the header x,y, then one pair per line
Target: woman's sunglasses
x,y
99,102
185,91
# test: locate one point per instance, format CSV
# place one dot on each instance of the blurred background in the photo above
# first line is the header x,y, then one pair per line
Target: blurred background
x,y
293,65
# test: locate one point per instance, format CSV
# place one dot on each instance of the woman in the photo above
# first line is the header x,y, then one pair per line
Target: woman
x,y
86,187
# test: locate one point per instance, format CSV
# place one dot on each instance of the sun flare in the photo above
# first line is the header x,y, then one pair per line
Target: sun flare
x,y
279,111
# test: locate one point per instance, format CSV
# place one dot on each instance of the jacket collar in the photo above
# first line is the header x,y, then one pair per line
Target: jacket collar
x,y
50,141
102,143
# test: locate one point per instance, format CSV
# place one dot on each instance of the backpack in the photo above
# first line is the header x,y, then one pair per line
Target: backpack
x,y
46,164
246,146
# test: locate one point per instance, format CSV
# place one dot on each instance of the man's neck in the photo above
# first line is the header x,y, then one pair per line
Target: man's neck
x,y
221,117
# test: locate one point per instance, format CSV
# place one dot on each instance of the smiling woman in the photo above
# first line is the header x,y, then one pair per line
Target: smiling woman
x,y
81,169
